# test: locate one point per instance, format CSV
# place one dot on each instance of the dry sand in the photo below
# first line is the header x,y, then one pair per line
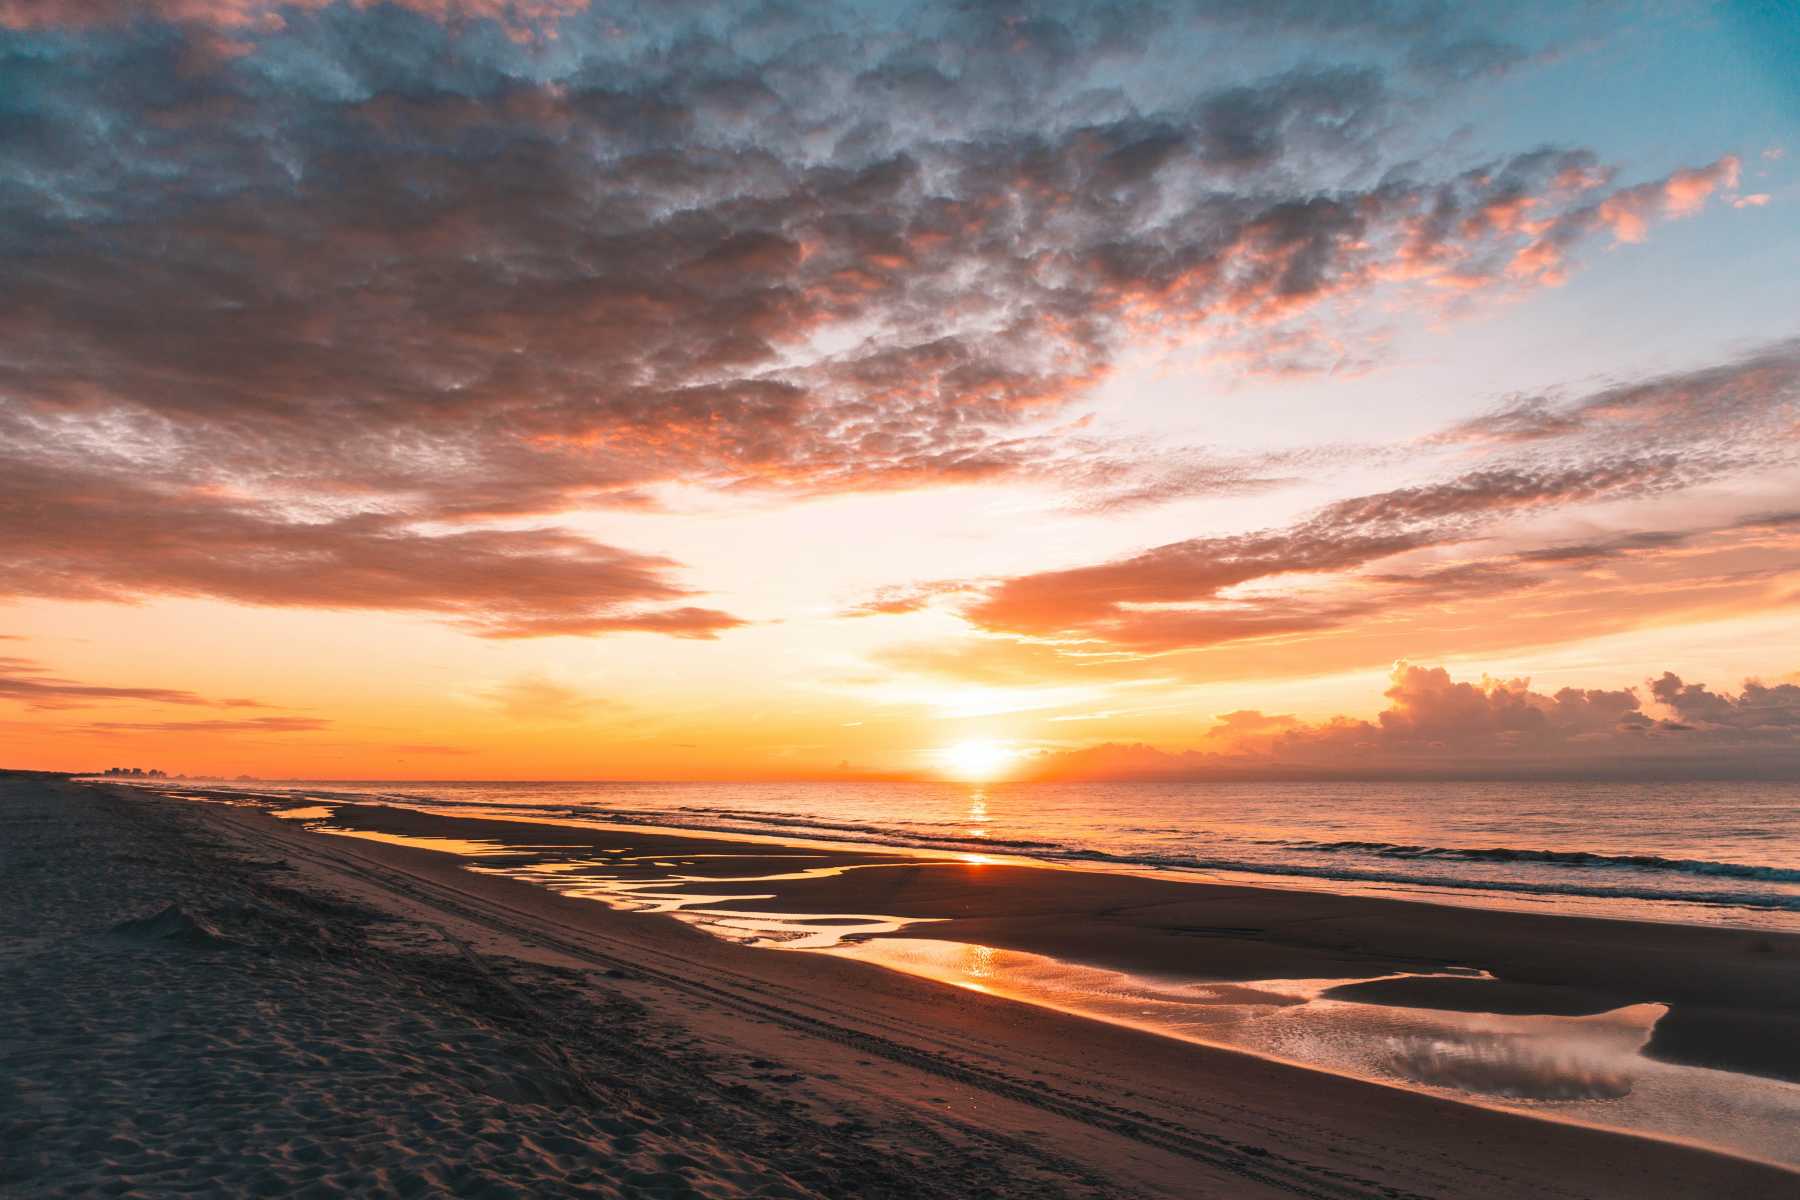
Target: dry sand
x,y
332,1016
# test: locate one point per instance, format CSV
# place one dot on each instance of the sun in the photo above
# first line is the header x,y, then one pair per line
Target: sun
x,y
976,759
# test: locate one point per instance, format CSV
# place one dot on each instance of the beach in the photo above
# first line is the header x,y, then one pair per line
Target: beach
x,y
925,599
343,1015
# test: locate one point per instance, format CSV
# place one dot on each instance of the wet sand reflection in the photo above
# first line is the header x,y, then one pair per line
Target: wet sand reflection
x,y
1588,1069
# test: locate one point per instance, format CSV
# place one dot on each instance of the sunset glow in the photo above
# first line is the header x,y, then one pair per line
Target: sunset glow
x,y
1036,405
930,598
976,761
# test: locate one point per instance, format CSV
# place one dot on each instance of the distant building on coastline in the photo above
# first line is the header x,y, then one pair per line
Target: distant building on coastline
x,y
135,772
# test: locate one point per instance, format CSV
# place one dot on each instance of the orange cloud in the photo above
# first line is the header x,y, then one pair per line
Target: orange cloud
x,y
24,682
1435,725
115,539
1546,595
212,728
1182,594
376,333
535,698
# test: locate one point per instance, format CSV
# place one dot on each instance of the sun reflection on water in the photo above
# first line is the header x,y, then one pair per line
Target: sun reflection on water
x,y
978,966
978,813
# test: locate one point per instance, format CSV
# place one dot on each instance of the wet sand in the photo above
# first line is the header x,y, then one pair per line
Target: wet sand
x,y
1734,994
357,1016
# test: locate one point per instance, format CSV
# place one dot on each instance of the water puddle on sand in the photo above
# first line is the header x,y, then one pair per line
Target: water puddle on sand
x,y
597,878
589,879
1588,1070
590,875
468,848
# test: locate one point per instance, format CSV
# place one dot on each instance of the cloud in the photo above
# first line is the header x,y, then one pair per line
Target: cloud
x,y
1632,441
252,18
1519,420
902,599
1626,214
252,725
1118,475
26,683
1475,57
536,698
1435,725
1683,193
891,602
72,533
1182,594
1742,400
316,303
1493,591
1758,712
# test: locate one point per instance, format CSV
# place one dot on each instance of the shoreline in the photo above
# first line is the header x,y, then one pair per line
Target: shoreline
x,y
1599,900
1695,997
906,1056
1163,925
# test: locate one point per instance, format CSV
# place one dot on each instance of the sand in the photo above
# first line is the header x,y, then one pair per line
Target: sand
x,y
1735,994
203,998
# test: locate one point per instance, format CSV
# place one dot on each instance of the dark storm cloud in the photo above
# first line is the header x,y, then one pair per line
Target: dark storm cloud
x,y
291,289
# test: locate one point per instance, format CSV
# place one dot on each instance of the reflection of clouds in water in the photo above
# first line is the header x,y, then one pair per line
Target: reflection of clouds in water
x,y
1516,1068
1584,1069
1522,1058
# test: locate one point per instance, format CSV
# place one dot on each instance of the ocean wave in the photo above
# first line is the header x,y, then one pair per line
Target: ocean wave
x,y
776,824
1596,884
1565,858
1771,901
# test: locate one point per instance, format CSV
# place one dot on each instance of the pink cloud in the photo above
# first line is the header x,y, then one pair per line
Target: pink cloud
x,y
1680,194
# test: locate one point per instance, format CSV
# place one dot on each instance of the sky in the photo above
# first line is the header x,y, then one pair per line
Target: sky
x,y
552,389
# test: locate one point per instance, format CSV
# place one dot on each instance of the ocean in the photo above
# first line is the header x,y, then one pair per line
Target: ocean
x,y
1705,852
